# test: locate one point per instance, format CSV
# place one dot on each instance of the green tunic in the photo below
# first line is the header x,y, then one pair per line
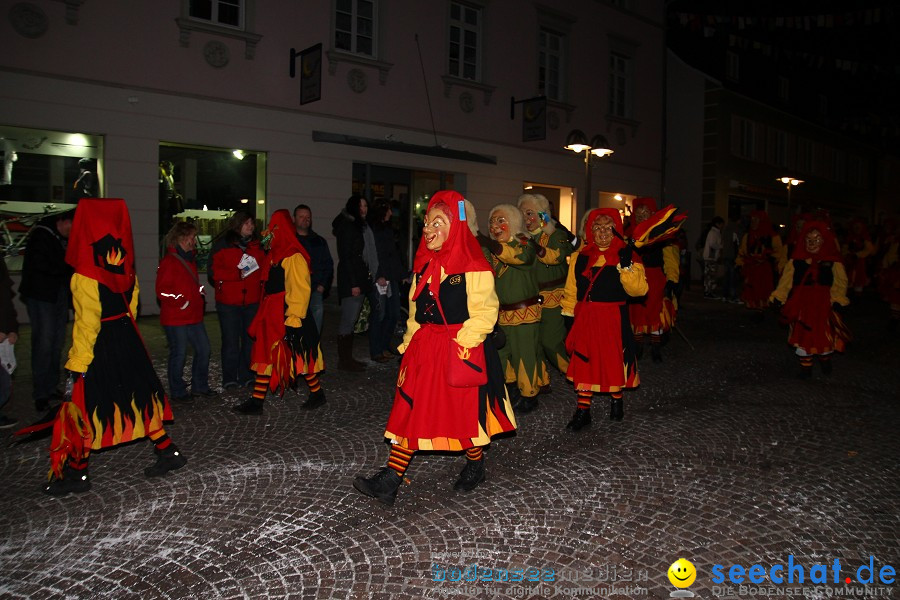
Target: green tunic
x,y
550,272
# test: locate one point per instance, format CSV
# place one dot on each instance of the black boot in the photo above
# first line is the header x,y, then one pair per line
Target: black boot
x,y
250,406
806,372
346,362
315,400
638,350
166,460
515,397
382,485
471,475
616,409
655,353
580,420
73,481
525,404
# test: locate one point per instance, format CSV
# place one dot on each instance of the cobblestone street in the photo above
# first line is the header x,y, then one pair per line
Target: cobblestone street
x,y
725,457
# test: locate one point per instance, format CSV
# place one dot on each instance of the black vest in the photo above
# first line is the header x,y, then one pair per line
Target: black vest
x,y
453,301
606,288
825,275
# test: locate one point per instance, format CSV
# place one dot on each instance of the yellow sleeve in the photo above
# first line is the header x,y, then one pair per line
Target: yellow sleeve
x,y
867,250
86,299
516,254
784,284
297,289
779,250
890,257
484,307
135,298
634,280
742,252
412,326
839,285
570,293
671,263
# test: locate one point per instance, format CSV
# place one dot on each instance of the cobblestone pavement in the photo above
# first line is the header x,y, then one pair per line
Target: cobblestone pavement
x,y
724,457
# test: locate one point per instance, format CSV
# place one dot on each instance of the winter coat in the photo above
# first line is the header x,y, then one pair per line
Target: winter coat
x,y
225,277
178,290
352,270
321,263
389,264
45,273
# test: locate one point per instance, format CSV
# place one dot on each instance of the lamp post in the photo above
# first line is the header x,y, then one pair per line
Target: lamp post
x,y
789,182
577,141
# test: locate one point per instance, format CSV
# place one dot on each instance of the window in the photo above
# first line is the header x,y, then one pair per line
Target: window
x,y
620,76
355,26
784,88
551,64
229,13
465,41
747,139
823,105
806,156
779,141
732,66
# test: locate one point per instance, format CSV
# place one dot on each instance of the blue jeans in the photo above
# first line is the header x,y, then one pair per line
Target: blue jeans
x,y
5,386
179,336
48,333
383,321
316,309
234,320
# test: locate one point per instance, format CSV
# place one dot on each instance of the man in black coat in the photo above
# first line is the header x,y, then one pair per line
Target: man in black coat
x,y
45,292
322,265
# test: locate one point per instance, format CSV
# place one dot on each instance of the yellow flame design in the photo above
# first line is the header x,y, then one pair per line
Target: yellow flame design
x,y
401,377
463,353
114,258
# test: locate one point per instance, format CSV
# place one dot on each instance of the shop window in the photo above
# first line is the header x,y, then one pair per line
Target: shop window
x,y
44,172
206,186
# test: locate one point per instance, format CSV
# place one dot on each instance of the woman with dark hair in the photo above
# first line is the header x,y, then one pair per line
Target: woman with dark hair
x,y
390,274
235,276
182,302
357,260
453,308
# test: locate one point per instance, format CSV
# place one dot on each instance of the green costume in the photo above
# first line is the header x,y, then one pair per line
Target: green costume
x,y
551,270
520,314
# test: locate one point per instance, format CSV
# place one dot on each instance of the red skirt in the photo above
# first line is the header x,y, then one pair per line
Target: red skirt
x,y
814,327
429,414
759,283
647,314
601,348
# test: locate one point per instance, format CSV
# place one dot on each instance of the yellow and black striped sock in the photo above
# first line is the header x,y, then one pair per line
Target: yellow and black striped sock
x,y
655,339
160,439
312,381
78,464
399,458
616,395
806,361
824,358
638,338
261,386
584,399
474,453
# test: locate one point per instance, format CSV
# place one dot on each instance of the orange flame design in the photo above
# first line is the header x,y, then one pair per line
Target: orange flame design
x,y
401,377
463,353
114,258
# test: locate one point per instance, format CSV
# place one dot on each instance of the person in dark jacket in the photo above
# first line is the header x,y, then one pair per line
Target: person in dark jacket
x,y
234,272
357,260
322,264
9,334
45,291
390,274
181,307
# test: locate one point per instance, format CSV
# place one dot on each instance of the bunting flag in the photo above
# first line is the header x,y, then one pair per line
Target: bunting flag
x,y
661,225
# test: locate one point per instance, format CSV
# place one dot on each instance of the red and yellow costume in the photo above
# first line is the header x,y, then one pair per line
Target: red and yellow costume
x,y
757,257
857,249
600,343
810,285
117,396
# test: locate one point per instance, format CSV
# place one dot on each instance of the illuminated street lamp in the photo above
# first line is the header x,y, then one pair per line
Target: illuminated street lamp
x,y
789,182
577,142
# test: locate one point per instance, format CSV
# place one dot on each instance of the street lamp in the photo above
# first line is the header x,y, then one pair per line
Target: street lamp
x,y
577,141
789,182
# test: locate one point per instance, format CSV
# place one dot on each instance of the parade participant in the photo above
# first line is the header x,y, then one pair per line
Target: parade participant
x,y
602,275
113,395
798,220
234,272
285,338
889,272
182,303
812,291
857,248
512,257
654,313
759,251
452,309
553,249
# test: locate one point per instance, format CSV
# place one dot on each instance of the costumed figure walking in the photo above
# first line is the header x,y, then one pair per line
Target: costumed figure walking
x,y
553,249
858,247
889,273
757,256
113,395
450,393
285,338
603,274
812,292
512,253
654,314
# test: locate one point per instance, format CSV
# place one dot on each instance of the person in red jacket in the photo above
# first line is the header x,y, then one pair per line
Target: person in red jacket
x,y
181,306
234,272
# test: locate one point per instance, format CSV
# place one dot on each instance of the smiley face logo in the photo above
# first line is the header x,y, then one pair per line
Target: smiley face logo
x,y
682,573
